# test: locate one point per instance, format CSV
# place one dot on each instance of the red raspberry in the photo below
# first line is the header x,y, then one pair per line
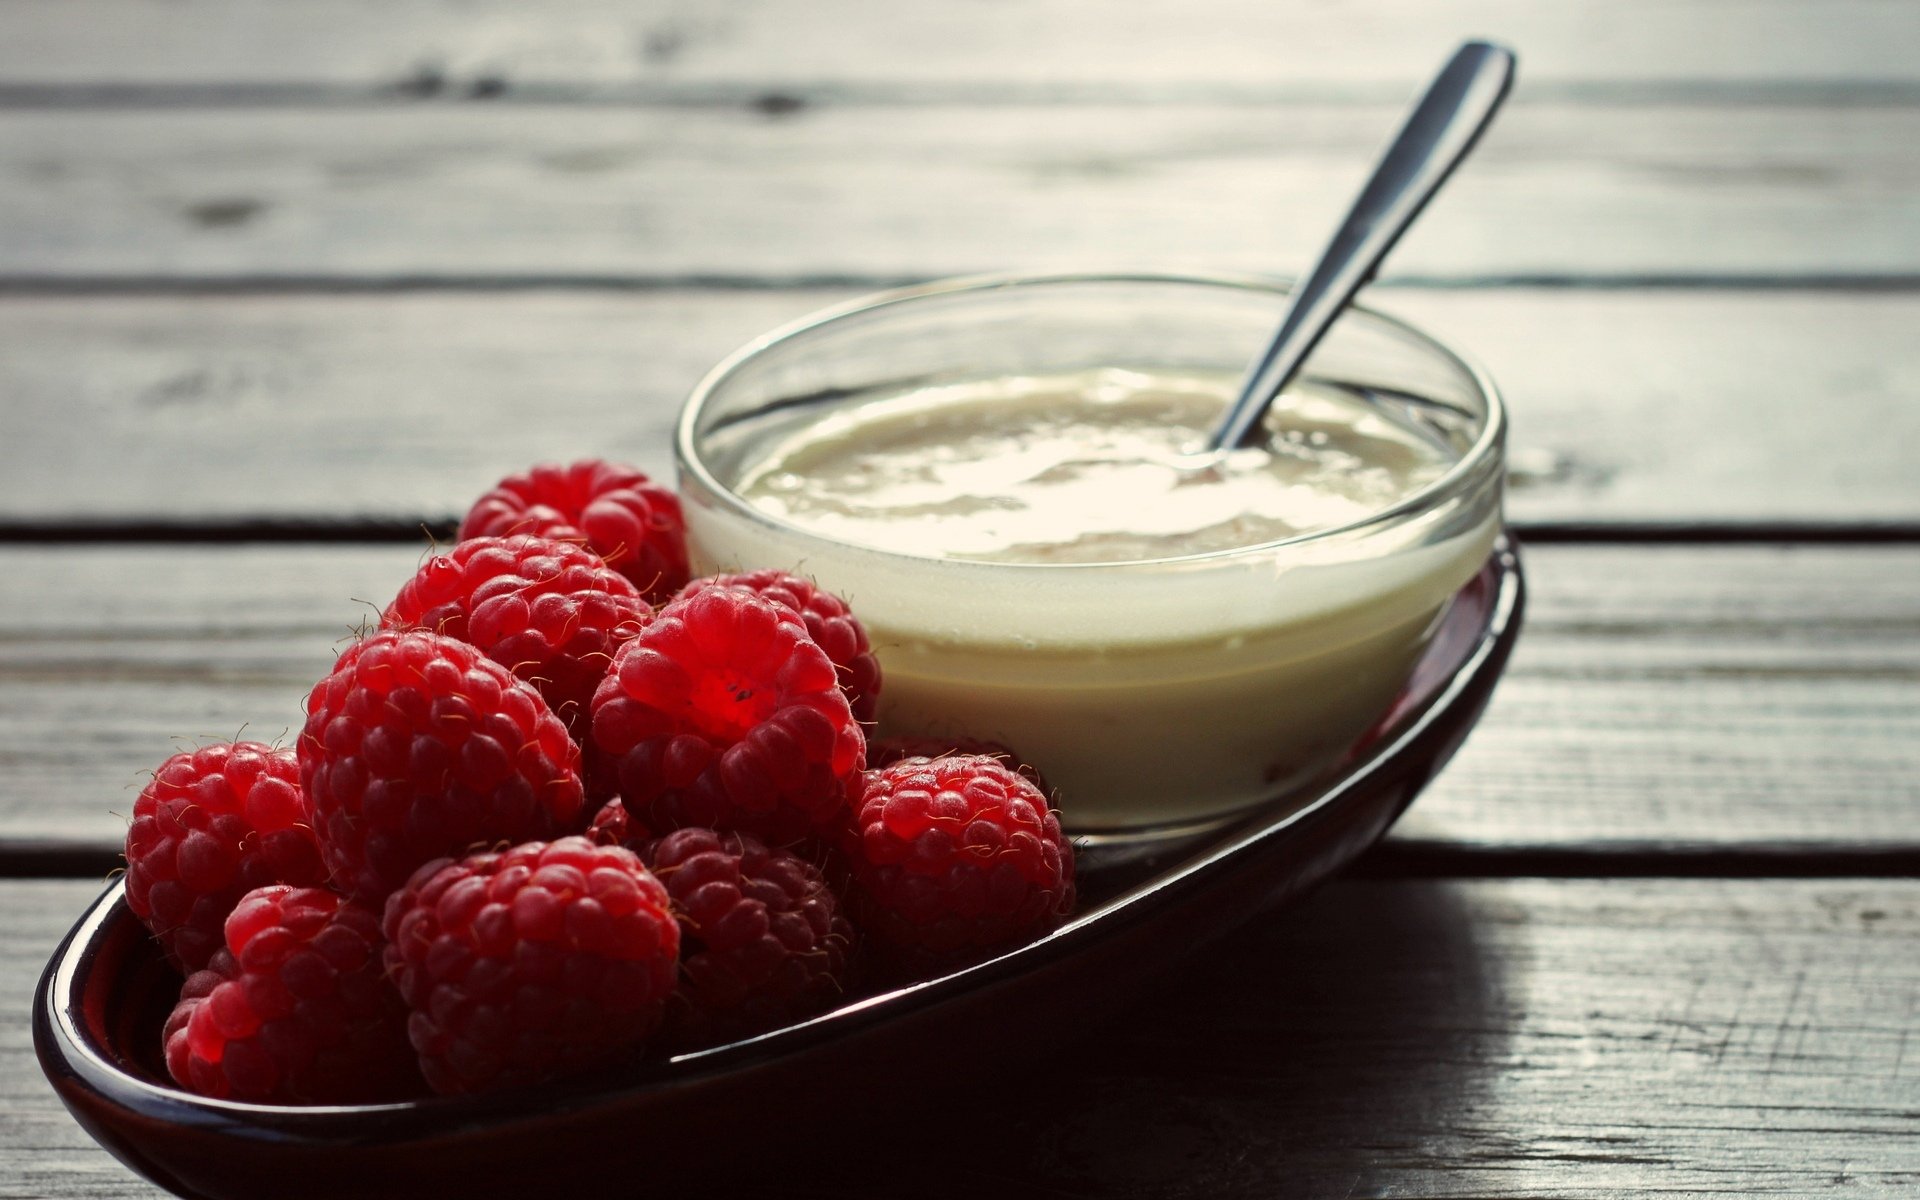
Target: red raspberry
x,y
214,824
418,746
300,1014
522,965
723,713
613,510
887,751
550,612
956,857
762,941
829,621
613,825
199,985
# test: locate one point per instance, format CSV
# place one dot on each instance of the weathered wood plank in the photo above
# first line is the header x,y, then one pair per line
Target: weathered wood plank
x,y
590,192
1727,698
1627,405
43,1154
1763,697
497,45
1486,1038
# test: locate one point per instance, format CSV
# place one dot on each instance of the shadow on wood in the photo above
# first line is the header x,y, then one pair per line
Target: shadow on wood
x,y
1347,1032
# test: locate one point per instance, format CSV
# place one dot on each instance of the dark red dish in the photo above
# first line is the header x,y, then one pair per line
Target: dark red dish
x,y
103,997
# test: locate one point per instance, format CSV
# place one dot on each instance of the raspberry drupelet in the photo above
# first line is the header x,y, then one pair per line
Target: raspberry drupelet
x,y
551,612
418,746
212,825
723,713
611,509
954,858
297,1011
829,622
531,963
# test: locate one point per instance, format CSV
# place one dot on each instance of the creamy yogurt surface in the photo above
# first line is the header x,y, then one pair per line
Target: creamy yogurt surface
x,y
1086,469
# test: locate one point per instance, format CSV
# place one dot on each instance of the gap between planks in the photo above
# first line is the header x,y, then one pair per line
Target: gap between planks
x,y
442,528
186,286
788,100
1390,860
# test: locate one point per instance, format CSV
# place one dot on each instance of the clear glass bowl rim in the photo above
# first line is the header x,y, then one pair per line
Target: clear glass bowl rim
x,y
686,442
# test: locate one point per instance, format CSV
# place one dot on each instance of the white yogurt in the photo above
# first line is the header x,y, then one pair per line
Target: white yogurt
x,y
1084,469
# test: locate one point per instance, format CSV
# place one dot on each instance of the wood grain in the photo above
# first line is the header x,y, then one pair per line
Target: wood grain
x,y
494,47
468,193
1698,696
43,1153
1486,1038
1662,698
1627,406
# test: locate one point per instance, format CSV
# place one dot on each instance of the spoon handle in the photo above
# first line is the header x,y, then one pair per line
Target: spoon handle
x,y
1438,133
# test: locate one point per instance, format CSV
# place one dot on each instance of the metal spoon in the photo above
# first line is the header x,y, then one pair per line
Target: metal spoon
x,y
1438,133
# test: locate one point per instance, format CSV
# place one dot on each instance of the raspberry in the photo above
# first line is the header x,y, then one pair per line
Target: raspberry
x,y
723,713
762,941
301,1012
550,612
887,751
418,746
518,966
214,824
613,510
613,825
956,857
199,985
829,622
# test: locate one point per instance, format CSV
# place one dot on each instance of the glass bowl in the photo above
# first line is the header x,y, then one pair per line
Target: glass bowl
x,y
1158,696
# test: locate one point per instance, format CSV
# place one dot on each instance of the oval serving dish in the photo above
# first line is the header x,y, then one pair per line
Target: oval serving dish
x,y
101,1002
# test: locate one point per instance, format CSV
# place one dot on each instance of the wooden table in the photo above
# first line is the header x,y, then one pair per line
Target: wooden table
x,y
281,282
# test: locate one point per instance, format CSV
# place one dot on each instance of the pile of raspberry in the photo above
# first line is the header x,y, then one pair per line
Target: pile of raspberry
x,y
565,809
